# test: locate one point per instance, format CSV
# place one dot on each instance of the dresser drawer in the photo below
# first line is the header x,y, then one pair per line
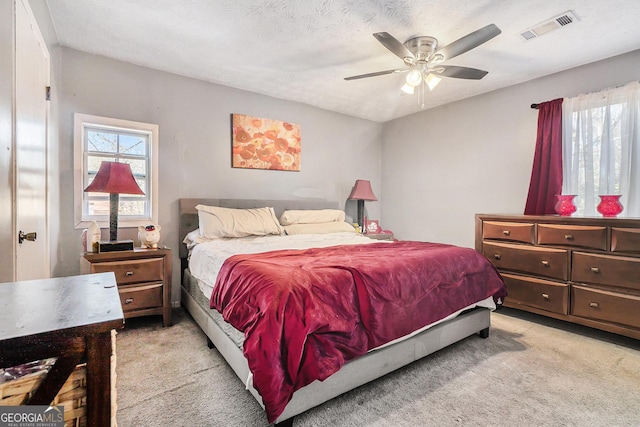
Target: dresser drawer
x,y
141,297
625,240
132,271
606,270
538,293
510,231
547,262
590,237
604,305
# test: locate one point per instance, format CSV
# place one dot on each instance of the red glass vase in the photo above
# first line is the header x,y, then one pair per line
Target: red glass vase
x,y
610,205
564,205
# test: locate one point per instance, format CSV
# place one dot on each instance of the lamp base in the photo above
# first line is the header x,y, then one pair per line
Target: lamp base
x,y
115,246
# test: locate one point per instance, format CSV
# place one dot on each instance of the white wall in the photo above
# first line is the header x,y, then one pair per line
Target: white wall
x,y
442,166
195,143
439,167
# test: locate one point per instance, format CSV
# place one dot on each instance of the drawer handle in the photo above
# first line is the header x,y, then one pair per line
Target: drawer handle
x,y
568,236
129,273
545,296
506,232
595,270
128,301
545,263
496,256
594,304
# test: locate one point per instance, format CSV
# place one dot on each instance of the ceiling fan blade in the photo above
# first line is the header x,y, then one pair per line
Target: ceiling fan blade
x,y
394,45
469,41
377,73
459,72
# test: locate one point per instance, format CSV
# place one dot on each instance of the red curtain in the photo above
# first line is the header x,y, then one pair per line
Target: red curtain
x,y
546,176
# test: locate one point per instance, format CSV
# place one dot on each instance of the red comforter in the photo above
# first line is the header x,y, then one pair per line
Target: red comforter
x,y
304,313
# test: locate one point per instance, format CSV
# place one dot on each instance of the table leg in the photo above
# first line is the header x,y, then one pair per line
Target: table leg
x,y
99,379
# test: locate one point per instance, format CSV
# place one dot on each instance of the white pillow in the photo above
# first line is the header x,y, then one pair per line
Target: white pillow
x,y
311,216
216,222
193,238
320,228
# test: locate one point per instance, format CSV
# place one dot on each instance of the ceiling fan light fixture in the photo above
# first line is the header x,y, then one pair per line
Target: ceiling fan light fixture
x,y
414,78
407,89
436,59
432,81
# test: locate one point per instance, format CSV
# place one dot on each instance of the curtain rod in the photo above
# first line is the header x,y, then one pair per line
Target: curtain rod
x,y
536,106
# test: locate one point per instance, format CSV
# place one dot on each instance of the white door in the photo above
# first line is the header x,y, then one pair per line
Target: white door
x,y
31,112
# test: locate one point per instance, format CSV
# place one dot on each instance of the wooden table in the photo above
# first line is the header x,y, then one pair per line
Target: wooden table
x,y
70,318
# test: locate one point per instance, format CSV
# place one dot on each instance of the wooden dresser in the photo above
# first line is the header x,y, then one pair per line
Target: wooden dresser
x,y
143,276
582,270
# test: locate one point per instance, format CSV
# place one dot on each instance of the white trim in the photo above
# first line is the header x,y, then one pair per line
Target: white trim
x,y
80,121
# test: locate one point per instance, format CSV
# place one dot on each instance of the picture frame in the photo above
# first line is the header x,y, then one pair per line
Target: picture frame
x,y
259,143
372,226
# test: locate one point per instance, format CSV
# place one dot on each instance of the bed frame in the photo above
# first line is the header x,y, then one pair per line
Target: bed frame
x,y
355,373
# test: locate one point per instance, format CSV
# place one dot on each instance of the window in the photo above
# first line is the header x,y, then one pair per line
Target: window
x,y
98,139
601,148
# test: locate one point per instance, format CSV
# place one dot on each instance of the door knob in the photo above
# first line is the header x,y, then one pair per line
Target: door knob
x,y
28,236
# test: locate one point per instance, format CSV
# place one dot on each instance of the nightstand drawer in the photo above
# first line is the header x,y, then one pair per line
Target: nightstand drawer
x,y
573,235
538,293
511,231
140,297
133,271
604,305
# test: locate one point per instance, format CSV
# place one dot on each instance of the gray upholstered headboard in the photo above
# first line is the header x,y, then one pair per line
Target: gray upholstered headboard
x,y
189,216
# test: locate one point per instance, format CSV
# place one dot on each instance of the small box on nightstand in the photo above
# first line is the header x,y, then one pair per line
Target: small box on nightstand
x,y
115,246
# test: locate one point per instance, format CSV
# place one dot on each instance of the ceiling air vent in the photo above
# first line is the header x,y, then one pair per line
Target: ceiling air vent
x,y
554,23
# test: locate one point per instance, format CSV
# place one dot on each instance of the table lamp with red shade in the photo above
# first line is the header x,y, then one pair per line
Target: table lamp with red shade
x,y
362,191
114,178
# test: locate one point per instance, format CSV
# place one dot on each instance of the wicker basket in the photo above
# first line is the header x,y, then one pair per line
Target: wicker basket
x,y
72,395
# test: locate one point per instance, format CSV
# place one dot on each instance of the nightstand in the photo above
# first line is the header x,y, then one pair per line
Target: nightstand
x,y
143,277
380,236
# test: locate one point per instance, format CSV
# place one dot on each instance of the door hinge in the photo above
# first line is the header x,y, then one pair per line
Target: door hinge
x,y
48,93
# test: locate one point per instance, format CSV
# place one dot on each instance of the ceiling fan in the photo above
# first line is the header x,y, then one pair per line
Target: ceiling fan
x,y
424,60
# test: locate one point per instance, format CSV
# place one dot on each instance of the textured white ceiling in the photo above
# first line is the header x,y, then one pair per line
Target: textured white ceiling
x,y
301,50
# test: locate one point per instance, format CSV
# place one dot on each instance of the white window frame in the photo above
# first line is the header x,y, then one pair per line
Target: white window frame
x,y
601,156
81,122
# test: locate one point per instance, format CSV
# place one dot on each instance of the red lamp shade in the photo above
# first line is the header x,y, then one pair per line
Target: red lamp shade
x,y
114,178
362,191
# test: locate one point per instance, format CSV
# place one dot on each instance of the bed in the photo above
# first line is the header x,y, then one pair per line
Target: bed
x,y
369,363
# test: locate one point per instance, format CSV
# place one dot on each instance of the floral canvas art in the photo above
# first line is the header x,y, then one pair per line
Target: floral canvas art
x,y
264,144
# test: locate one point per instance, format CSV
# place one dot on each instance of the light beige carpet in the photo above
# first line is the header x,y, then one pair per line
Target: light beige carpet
x,y
531,371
